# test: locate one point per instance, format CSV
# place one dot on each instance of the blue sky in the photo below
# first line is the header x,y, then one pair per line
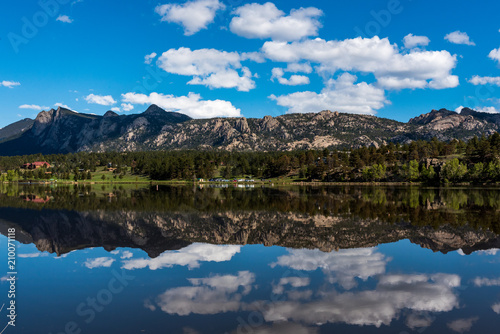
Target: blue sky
x,y
394,59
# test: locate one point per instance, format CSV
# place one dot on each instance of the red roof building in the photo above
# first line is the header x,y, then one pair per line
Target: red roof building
x,y
36,165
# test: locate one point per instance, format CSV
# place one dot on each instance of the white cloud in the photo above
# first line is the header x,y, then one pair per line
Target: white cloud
x,y
192,15
33,107
496,308
191,105
462,325
209,67
342,95
149,58
412,41
488,110
342,266
296,282
9,84
104,100
393,70
64,18
481,281
126,255
495,54
477,80
99,262
190,256
58,104
32,255
294,79
212,295
419,320
116,109
376,307
492,251
127,107
280,328
266,21
458,37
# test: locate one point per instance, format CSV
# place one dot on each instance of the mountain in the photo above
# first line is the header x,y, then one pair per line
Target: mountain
x,y
16,129
63,131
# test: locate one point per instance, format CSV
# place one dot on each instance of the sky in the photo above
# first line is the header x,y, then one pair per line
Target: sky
x,y
209,58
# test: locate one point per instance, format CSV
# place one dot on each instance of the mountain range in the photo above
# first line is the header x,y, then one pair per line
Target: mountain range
x,y
64,131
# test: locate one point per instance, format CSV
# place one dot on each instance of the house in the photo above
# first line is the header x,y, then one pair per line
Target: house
x,y
36,165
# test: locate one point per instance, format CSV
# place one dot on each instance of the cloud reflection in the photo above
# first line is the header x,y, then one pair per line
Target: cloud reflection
x,y
213,295
342,267
190,256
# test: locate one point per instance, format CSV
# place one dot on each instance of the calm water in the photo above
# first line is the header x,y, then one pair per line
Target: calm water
x,y
253,260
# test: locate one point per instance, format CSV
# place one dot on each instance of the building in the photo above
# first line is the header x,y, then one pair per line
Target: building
x,y
36,165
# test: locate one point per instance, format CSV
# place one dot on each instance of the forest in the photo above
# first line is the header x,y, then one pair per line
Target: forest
x,y
431,162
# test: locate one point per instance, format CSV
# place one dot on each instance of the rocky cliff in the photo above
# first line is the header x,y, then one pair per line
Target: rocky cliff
x,y
63,131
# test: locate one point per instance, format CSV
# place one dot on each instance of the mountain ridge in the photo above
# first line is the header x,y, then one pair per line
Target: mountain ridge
x,y
64,131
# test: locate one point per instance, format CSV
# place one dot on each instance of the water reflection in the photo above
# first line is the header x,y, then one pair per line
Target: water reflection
x,y
327,218
262,260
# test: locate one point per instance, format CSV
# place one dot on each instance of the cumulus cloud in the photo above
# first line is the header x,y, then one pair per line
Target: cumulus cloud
x,y
208,67
296,282
33,107
9,84
64,18
279,328
462,325
488,110
99,262
342,95
149,58
127,107
458,37
116,109
496,308
32,255
495,55
58,104
267,21
190,256
342,266
294,79
412,41
477,80
419,320
104,100
211,295
392,69
192,15
191,105
370,307
481,281
492,251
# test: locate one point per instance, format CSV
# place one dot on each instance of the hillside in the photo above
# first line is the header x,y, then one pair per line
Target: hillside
x,y
64,131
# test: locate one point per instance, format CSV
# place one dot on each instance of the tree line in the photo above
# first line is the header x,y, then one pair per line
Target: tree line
x,y
432,161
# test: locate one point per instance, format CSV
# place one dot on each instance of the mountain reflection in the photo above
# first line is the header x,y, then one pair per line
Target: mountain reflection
x,y
64,218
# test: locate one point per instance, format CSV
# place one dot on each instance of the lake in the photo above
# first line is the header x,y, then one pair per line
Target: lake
x,y
209,259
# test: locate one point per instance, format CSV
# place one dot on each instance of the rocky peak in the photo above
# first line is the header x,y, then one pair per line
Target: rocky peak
x,y
269,123
434,115
242,125
110,113
154,110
